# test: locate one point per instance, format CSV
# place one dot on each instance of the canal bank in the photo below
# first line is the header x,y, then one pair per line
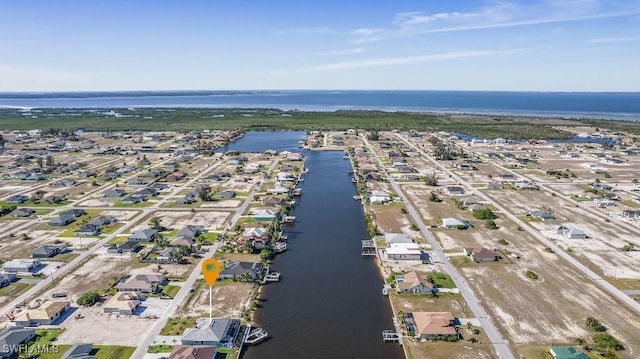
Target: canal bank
x,y
328,303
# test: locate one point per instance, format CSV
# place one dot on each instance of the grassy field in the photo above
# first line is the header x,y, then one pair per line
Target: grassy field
x,y
15,289
177,326
170,290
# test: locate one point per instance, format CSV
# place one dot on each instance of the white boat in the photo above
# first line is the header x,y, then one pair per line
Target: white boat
x,y
256,336
297,192
280,247
357,198
272,277
354,180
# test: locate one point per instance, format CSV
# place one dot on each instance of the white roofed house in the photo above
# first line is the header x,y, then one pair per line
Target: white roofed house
x,y
404,251
454,223
572,232
379,197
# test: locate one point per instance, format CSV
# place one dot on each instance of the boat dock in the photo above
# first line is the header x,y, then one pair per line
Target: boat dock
x,y
279,247
391,336
289,219
271,277
368,248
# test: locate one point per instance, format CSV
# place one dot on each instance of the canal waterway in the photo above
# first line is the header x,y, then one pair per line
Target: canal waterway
x,y
328,303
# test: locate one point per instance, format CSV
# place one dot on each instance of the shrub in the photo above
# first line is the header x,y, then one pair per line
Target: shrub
x,y
595,325
604,341
484,214
531,275
503,242
491,224
89,298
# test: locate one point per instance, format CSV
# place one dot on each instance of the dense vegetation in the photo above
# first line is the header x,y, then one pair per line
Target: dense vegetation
x,y
183,119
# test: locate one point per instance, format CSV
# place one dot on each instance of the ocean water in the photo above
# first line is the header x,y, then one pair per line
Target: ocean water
x,y
609,105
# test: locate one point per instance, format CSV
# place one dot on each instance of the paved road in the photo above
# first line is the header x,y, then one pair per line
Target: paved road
x,y
615,292
154,331
494,336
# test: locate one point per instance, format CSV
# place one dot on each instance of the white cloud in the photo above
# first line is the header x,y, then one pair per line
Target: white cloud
x,y
500,15
392,61
307,31
340,52
613,39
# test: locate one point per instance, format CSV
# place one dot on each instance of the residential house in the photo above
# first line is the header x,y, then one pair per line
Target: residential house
x,y
79,351
122,303
21,265
455,190
102,221
131,200
279,188
143,235
567,353
525,185
113,193
627,213
47,313
571,232
182,241
413,282
219,332
391,238
433,324
88,230
138,181
145,193
285,176
236,269
187,199
403,251
256,235
507,177
17,199
166,255
227,194
479,255
190,231
264,214
193,352
454,223
141,283
378,197
7,278
272,201
544,216
175,176
494,186
65,182
12,339
47,251
125,247
23,212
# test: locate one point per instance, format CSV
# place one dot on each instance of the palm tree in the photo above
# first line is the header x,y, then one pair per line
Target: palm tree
x,y
156,223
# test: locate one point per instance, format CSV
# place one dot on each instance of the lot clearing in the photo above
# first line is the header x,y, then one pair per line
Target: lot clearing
x,y
230,299
113,329
211,220
18,247
389,219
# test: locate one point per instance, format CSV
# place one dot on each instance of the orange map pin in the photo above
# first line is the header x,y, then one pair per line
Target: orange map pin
x,y
210,271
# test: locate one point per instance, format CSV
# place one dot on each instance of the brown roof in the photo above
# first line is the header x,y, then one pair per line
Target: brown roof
x,y
122,301
46,311
434,323
192,352
412,279
481,253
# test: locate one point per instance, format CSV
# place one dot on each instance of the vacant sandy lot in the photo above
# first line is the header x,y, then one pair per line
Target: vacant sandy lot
x,y
211,220
230,299
230,203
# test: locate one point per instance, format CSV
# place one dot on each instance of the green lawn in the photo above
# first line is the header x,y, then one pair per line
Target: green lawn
x,y
170,290
113,352
208,237
118,240
160,348
442,280
137,205
580,199
177,326
43,346
246,220
15,289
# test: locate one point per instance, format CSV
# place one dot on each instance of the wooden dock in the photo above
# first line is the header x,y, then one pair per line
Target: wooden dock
x,y
368,248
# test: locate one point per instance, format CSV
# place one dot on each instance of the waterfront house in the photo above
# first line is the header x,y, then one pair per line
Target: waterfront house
x,y
46,314
21,265
219,332
272,201
264,214
141,283
566,353
378,197
433,324
413,282
193,352
236,269
391,238
481,254
403,251
143,235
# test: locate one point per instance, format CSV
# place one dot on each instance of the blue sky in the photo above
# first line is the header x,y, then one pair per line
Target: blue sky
x,y
552,45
